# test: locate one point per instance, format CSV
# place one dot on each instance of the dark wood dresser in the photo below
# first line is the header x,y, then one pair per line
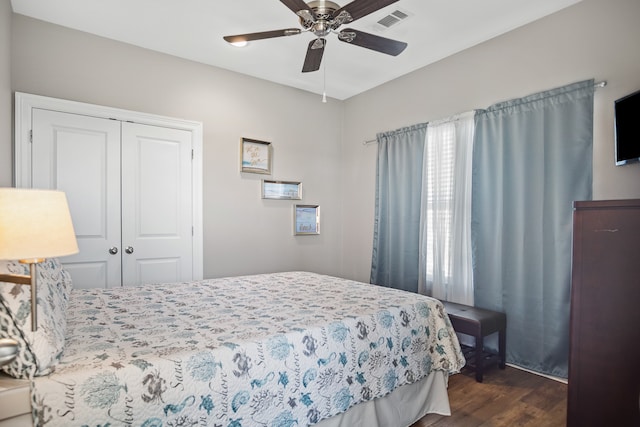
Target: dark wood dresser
x,y
604,355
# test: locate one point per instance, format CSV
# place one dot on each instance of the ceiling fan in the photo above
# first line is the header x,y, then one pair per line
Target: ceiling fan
x,y
323,17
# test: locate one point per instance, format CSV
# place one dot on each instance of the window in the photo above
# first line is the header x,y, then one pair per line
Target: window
x,y
445,226
438,168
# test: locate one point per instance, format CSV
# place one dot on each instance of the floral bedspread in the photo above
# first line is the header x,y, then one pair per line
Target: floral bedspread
x,y
281,350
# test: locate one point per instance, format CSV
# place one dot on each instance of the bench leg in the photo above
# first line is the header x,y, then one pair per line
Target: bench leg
x,y
479,358
502,348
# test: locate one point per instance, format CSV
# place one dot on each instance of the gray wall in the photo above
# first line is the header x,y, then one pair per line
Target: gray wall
x,y
242,232
593,39
5,94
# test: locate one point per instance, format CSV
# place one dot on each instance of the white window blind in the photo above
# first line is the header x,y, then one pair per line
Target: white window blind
x,y
445,241
439,196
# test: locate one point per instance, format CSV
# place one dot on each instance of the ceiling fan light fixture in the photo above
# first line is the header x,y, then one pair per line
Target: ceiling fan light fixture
x,y
323,17
240,43
323,9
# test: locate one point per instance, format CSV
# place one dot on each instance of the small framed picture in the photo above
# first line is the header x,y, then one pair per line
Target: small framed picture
x,y
306,219
282,190
255,156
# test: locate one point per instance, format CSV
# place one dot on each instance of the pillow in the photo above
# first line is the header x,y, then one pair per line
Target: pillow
x,y
40,351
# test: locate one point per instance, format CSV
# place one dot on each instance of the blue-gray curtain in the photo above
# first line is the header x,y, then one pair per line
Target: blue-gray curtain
x,y
532,159
396,233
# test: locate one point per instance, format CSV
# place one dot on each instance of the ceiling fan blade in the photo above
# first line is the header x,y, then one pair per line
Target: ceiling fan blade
x,y
371,41
314,55
300,8
262,35
359,8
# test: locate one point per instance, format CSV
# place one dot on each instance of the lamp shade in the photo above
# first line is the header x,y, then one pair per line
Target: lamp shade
x,y
35,224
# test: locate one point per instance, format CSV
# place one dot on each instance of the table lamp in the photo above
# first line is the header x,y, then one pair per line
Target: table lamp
x,y
34,225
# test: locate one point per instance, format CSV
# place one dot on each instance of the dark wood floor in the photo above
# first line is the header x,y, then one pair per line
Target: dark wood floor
x,y
506,398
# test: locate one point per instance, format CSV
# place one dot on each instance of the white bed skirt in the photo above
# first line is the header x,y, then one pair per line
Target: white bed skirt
x,y
401,408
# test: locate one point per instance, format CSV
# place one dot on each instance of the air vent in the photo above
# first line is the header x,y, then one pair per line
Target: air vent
x,y
393,18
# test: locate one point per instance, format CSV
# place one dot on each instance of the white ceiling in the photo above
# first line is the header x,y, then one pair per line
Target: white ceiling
x,y
193,29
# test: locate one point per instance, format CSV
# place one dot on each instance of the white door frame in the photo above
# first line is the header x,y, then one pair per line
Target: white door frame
x,y
25,103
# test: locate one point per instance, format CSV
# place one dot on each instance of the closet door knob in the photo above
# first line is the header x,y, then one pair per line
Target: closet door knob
x,y
129,250
113,250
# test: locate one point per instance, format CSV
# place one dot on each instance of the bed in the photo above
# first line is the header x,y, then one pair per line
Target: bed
x,y
281,349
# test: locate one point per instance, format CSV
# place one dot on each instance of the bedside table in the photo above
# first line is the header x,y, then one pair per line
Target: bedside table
x,y
15,402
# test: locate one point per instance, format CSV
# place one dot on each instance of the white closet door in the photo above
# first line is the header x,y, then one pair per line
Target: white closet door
x,y
80,155
156,204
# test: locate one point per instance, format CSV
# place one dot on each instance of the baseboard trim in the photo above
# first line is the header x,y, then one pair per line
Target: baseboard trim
x,y
551,377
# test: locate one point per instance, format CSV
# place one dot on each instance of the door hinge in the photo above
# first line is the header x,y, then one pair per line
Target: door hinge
x,y
31,136
192,232
192,154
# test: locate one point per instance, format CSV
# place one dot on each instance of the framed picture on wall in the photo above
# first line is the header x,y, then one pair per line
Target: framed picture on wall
x,y
306,219
255,156
282,190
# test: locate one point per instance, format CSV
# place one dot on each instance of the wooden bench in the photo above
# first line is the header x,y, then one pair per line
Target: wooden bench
x,y
479,323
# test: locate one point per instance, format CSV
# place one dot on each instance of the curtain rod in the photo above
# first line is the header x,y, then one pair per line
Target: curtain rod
x,y
603,83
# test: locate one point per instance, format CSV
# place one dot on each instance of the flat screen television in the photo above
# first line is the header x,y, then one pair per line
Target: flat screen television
x,y
627,129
